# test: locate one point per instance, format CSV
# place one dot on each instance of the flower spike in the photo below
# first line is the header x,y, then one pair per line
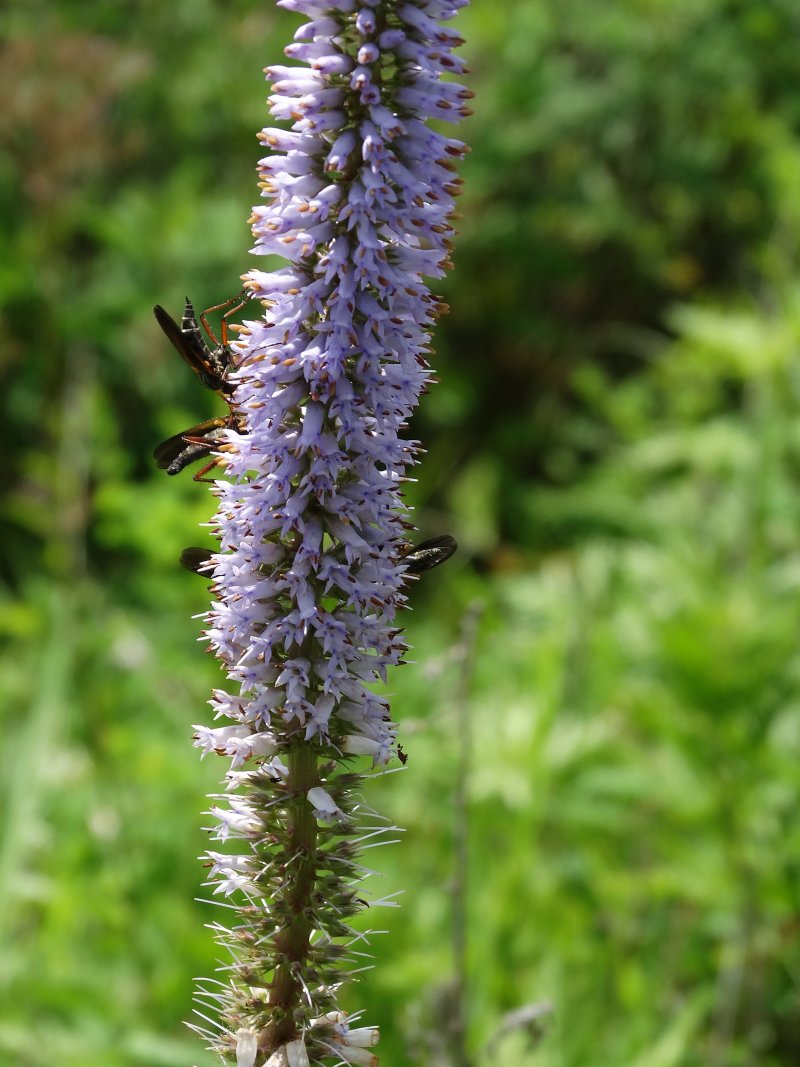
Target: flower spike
x,y
314,558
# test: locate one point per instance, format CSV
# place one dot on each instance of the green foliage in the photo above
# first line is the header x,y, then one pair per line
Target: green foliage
x,y
615,443
636,737
624,156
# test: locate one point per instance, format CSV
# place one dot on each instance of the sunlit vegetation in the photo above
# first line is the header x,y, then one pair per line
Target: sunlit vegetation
x,y
615,443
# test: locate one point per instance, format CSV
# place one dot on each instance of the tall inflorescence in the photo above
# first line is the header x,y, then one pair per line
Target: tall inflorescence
x,y
310,574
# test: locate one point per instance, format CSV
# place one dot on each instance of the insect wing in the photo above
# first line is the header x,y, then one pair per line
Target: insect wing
x,y
430,553
188,346
188,341
197,560
168,450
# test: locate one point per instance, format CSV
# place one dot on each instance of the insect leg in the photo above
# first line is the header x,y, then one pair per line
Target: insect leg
x,y
219,307
217,461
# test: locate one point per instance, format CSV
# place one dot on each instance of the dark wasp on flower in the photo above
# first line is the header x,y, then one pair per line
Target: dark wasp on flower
x,y
416,558
428,554
198,442
211,365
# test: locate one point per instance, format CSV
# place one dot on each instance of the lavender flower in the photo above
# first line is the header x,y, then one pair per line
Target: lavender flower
x,y
309,578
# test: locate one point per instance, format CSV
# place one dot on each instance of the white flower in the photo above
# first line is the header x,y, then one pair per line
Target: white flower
x,y
323,804
292,1054
246,1047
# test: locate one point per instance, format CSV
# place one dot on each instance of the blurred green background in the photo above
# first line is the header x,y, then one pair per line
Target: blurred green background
x,y
616,444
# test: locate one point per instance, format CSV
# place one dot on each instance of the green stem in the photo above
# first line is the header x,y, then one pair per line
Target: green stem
x,y
292,940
